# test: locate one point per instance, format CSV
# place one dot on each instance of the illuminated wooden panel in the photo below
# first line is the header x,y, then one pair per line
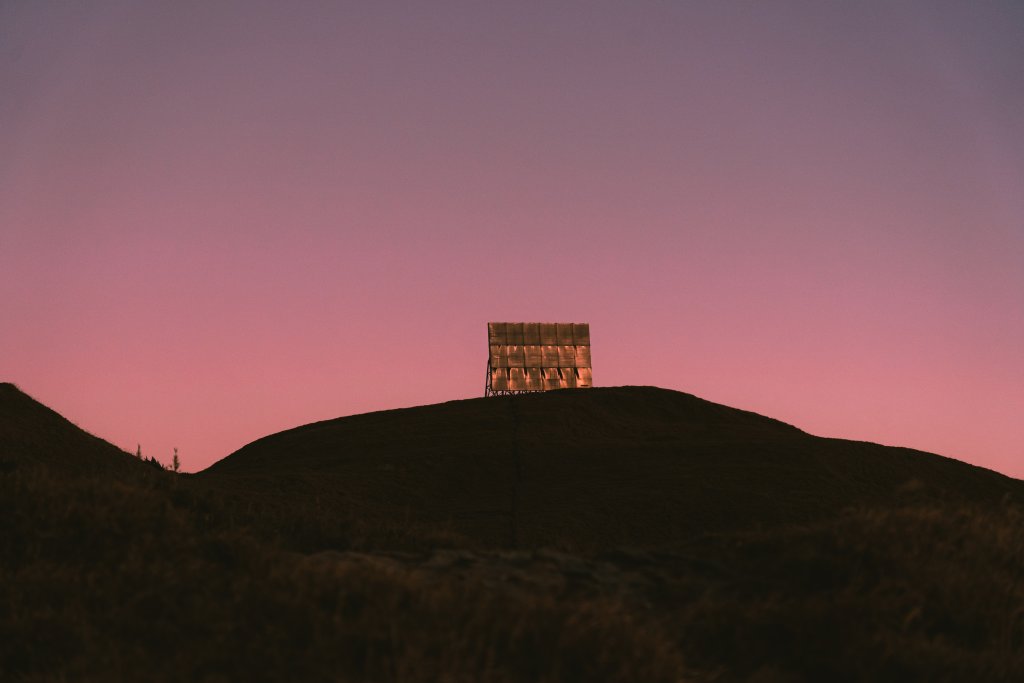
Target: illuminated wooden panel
x,y
514,333
499,380
568,380
531,333
517,379
534,356
581,333
499,356
549,356
552,380
563,333
566,356
516,356
534,379
496,333
583,357
548,334
585,377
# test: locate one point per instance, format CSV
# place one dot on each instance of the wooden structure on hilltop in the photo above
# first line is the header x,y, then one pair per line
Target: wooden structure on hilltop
x,y
526,357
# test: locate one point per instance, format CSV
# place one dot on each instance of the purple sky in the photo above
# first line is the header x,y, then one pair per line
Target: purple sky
x,y
223,219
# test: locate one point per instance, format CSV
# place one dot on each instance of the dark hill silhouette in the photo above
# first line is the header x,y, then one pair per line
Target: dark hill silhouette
x,y
32,434
583,470
108,565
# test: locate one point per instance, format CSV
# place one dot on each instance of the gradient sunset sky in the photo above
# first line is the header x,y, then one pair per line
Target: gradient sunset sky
x,y
223,219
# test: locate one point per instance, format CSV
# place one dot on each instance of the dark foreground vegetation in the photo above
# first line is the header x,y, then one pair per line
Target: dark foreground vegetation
x,y
114,570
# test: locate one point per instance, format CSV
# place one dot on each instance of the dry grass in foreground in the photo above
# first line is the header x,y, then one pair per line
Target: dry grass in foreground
x,y
130,577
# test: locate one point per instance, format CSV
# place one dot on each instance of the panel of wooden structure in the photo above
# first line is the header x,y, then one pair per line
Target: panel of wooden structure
x,y
514,333
516,356
548,334
517,379
534,356
499,380
496,333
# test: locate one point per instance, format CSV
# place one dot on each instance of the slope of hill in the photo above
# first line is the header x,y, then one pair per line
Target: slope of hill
x,y
32,434
580,470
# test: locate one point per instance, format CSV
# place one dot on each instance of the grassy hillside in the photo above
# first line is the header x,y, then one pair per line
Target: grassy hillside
x,y
31,433
114,570
579,470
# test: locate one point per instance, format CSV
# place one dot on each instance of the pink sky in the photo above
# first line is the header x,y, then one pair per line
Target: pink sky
x,y
220,220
